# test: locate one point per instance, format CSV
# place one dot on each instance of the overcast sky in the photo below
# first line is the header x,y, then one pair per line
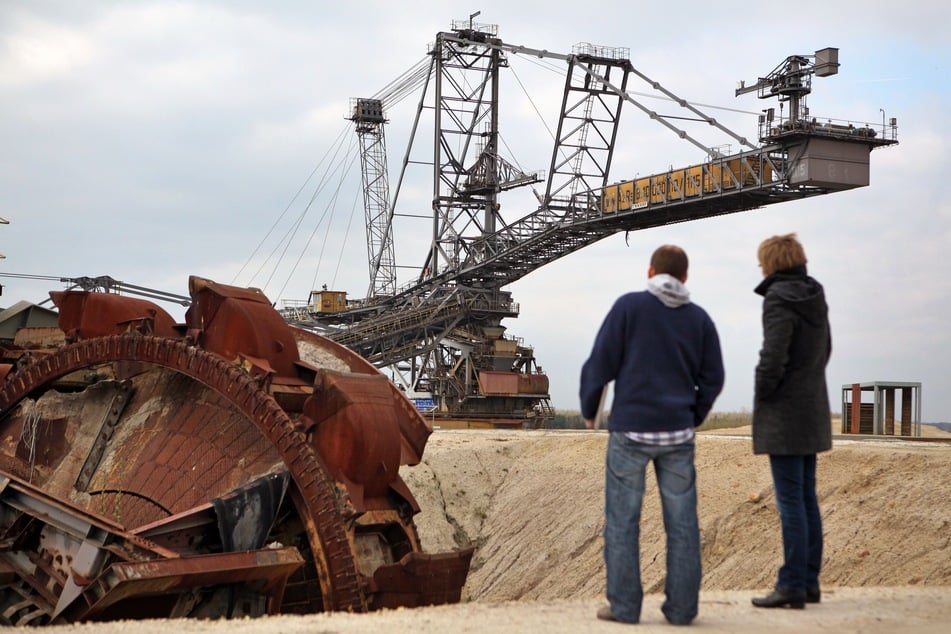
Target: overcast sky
x,y
153,140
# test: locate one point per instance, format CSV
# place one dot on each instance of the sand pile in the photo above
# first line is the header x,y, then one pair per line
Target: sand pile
x,y
532,503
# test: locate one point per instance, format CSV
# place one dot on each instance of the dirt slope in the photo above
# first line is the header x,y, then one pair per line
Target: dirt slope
x,y
532,503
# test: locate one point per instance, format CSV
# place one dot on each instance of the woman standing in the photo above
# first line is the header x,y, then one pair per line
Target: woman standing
x,y
791,418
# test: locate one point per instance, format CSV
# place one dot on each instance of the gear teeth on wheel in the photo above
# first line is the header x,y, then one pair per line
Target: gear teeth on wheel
x,y
317,491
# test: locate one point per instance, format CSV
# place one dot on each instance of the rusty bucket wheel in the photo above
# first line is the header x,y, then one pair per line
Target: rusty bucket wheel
x,y
316,493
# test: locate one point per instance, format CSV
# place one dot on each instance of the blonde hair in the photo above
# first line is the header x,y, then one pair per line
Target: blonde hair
x,y
779,253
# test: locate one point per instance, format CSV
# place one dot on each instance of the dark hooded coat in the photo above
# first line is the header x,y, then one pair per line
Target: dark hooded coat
x,y
791,401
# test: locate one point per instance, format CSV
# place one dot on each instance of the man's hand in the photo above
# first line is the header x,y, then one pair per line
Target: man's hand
x,y
589,423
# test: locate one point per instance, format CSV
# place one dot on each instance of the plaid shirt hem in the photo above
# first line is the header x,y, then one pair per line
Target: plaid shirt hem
x,y
662,437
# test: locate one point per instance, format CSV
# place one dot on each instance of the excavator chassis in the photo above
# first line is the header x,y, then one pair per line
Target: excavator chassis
x,y
227,467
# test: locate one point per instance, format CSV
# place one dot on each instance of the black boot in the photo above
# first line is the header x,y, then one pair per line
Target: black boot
x,y
813,595
780,599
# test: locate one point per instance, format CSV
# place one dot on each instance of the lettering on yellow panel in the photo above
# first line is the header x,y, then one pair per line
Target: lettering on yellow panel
x,y
625,195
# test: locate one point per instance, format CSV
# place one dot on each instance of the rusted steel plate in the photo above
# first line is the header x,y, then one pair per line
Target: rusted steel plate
x,y
356,432
148,444
421,579
87,315
235,322
144,579
330,355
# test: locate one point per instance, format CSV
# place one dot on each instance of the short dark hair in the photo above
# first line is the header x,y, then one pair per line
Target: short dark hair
x,y
670,259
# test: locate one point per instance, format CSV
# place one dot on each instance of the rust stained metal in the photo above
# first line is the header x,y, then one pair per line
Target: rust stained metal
x,y
182,466
241,323
134,583
84,315
420,579
113,412
357,433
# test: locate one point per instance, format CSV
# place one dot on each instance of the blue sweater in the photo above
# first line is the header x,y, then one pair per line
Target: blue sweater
x,y
665,362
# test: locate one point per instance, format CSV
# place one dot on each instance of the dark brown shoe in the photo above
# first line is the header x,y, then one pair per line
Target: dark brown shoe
x,y
780,599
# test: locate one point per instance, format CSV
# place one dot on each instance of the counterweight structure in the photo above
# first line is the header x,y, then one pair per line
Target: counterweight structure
x,y
442,333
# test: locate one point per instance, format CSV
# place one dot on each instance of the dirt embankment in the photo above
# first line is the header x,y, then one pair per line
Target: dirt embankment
x,y
532,502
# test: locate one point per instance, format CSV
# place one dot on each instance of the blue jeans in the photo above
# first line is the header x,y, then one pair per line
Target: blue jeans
x,y
794,480
624,493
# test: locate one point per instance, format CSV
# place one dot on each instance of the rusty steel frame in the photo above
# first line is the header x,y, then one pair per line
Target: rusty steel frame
x,y
340,433
315,489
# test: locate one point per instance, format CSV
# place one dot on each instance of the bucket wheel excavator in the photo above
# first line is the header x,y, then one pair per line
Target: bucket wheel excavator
x,y
442,334
229,466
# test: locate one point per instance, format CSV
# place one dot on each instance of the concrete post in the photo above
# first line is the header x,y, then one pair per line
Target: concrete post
x,y
906,411
857,407
890,411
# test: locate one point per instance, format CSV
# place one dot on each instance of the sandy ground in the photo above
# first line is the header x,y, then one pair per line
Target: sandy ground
x,y
844,611
531,502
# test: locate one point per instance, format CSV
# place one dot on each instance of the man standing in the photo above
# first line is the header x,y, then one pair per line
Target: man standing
x,y
663,354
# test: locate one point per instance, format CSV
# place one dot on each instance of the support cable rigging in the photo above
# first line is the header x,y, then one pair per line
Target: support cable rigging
x,y
105,284
342,168
404,85
330,163
343,243
327,214
628,96
330,149
334,164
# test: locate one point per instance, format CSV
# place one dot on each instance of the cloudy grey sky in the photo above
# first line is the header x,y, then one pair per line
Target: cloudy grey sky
x,y
153,140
